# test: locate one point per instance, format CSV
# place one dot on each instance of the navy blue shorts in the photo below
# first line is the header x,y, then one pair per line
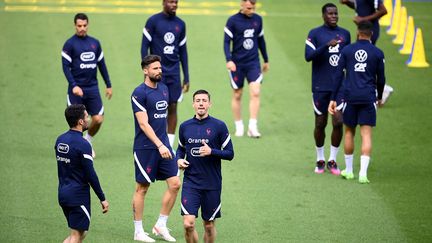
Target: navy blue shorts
x,y
78,217
174,88
150,166
91,99
321,101
209,201
359,114
252,73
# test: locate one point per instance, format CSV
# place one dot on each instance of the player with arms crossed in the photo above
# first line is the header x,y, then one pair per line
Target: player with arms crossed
x,y
81,56
76,174
152,153
203,142
165,35
323,46
363,87
245,31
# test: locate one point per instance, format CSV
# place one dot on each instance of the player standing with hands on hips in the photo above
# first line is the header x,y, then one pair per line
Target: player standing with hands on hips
x,y
203,142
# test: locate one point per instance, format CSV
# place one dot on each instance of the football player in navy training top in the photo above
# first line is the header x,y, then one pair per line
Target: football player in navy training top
x,y
81,56
323,46
76,174
245,30
203,142
370,10
165,35
363,88
152,152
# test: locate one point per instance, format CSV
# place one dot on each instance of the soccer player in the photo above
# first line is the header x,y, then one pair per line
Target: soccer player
x,y
165,35
203,142
363,87
152,152
81,56
76,174
245,31
323,46
370,10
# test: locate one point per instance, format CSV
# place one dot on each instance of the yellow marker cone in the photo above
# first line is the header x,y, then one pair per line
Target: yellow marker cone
x,y
417,57
394,26
409,37
386,19
399,39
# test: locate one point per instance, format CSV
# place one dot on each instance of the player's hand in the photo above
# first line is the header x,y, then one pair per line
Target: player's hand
x,y
358,19
231,66
265,67
333,42
105,206
185,87
332,107
77,91
108,93
380,103
165,152
182,164
205,150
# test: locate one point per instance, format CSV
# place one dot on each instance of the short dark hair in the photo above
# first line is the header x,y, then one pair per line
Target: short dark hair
x,y
327,5
201,91
74,113
81,16
365,28
149,59
251,1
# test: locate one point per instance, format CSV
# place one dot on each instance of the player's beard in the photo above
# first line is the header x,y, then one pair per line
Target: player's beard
x,y
156,79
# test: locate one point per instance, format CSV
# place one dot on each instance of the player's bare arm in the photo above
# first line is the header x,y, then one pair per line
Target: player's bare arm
x,y
142,119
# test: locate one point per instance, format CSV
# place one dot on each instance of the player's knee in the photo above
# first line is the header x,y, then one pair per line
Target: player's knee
x,y
174,186
97,119
320,124
189,225
337,124
255,93
237,94
209,228
141,189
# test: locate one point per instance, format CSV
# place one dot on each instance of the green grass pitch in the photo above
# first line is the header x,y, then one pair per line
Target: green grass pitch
x,y
270,193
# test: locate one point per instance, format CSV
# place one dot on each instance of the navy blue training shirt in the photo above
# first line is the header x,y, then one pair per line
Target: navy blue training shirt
x,y
165,35
153,101
75,170
247,35
365,78
80,58
325,58
204,172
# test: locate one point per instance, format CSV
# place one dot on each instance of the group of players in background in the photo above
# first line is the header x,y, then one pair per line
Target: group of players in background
x,y
347,80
